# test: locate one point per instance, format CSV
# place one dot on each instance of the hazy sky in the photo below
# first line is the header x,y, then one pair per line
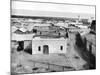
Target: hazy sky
x,y
63,8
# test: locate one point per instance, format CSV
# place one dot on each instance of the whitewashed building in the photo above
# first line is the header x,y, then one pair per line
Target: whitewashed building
x,y
49,45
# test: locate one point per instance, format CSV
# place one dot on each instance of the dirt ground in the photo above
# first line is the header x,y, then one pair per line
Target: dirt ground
x,y
23,62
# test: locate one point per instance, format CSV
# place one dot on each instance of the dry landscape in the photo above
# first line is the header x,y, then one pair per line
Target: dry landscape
x,y
74,59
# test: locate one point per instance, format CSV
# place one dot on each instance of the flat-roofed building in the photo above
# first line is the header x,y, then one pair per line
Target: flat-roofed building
x,y
49,45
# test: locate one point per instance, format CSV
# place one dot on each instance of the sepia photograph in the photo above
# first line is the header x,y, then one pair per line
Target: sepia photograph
x,y
52,37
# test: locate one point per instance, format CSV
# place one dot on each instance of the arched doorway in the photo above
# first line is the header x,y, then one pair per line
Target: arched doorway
x,y
45,49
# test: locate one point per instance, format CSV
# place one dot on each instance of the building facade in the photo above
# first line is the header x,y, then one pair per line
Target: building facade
x,y
49,45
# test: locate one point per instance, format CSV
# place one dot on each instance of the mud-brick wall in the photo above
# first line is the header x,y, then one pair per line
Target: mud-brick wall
x,y
27,44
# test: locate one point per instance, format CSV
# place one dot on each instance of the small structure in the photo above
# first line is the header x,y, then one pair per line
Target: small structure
x,y
49,45
13,28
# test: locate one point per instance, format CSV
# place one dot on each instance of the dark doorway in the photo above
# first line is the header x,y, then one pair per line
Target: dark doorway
x,y
45,49
20,45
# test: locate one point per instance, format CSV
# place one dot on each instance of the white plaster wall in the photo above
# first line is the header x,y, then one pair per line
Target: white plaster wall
x,y
54,45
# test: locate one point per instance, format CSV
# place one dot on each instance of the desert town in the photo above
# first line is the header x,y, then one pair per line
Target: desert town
x,y
52,44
